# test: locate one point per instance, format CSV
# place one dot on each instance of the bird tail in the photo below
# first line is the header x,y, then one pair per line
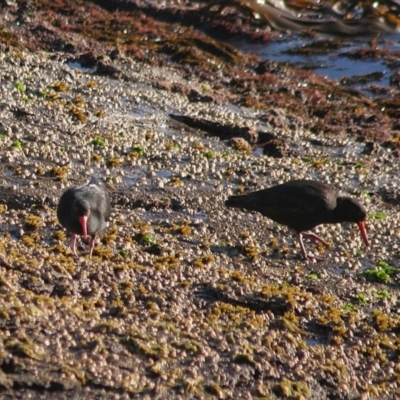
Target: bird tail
x,y
234,201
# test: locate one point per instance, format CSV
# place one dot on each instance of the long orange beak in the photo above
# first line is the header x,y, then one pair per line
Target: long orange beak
x,y
363,231
83,221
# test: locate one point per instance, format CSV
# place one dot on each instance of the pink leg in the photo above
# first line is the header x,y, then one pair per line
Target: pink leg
x,y
91,246
303,249
73,243
315,237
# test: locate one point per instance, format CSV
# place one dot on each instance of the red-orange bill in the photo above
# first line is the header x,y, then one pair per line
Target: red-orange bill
x,y
83,221
361,226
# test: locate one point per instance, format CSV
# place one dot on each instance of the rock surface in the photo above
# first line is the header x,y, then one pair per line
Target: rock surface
x,y
184,298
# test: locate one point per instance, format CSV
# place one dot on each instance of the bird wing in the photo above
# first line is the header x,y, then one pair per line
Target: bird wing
x,y
97,196
301,207
64,207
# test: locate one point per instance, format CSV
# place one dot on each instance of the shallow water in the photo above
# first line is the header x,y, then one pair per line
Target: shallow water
x,y
334,64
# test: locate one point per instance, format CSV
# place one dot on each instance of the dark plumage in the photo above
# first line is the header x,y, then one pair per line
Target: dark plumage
x,y
84,210
302,205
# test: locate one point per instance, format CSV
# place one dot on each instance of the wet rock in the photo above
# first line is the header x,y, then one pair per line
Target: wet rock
x,y
104,68
239,143
196,96
277,148
87,60
395,78
370,148
265,310
396,125
275,118
390,196
249,134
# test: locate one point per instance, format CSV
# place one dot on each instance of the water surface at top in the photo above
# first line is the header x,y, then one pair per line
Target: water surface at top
x,y
334,63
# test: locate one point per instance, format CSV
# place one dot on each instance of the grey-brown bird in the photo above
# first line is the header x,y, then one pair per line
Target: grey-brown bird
x,y
302,205
84,210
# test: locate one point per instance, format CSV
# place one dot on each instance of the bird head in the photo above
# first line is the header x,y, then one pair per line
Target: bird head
x,y
351,210
81,211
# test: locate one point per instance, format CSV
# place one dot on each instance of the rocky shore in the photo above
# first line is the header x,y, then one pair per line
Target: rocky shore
x,y
184,298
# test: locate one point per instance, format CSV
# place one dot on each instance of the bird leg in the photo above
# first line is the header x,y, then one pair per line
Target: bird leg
x,y
315,238
303,249
91,246
73,243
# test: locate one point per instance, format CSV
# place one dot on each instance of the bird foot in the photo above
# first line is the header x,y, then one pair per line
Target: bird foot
x,y
311,257
306,256
72,244
91,246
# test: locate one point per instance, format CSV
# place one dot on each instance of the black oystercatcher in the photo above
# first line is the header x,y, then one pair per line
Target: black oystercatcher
x,y
84,210
302,205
